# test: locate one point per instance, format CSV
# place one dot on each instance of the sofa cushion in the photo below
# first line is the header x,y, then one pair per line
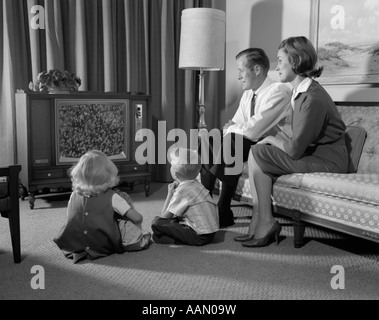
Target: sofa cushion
x,y
355,139
366,117
332,211
362,188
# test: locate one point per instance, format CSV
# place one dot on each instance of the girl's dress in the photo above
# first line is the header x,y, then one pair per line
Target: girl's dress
x,y
93,229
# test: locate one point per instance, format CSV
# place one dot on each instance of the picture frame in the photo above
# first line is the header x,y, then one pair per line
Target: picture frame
x,y
83,125
345,34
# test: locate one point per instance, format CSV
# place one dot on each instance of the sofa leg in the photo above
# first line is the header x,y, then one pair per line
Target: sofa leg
x,y
299,229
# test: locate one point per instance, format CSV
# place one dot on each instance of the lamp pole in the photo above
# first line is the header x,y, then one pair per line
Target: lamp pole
x,y
201,124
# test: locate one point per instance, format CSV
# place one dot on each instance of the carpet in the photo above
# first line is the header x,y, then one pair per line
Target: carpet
x,y
222,270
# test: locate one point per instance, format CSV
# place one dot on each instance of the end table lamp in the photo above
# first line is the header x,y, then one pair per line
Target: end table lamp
x,y
202,46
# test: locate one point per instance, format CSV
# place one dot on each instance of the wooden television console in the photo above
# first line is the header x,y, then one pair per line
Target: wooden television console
x,y
41,134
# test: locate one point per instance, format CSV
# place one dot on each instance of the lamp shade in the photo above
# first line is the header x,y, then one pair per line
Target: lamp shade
x,y
202,39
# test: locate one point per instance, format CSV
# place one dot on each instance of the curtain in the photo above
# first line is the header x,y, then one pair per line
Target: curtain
x,y
113,46
14,68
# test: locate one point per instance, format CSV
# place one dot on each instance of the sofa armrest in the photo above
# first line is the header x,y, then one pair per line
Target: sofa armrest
x,y
355,139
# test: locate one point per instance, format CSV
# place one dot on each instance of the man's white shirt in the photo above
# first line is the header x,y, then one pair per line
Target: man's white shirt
x,y
272,104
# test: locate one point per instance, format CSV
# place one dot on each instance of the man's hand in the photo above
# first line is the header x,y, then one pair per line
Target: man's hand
x,y
228,124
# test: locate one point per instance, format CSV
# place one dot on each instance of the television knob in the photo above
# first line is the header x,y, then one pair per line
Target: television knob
x,y
49,174
135,168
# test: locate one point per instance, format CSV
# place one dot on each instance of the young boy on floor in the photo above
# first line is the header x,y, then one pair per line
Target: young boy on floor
x,y
189,215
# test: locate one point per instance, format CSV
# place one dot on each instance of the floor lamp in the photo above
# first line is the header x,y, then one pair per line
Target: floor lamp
x,y
202,46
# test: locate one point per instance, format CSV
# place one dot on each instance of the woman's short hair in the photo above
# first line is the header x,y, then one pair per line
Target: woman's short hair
x,y
302,55
93,174
255,56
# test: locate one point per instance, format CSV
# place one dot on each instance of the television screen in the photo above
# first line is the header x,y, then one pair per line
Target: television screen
x,y
83,125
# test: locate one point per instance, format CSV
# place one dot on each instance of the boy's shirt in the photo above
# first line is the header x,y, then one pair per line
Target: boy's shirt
x,y
192,203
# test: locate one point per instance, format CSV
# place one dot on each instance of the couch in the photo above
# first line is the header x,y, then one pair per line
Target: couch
x,y
348,203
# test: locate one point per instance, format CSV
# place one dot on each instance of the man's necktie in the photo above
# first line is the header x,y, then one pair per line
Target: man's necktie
x,y
253,105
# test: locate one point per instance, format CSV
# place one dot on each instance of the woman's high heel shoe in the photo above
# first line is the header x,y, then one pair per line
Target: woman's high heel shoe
x,y
244,238
262,242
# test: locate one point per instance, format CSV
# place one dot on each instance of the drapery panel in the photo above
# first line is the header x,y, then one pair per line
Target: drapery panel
x,y
112,45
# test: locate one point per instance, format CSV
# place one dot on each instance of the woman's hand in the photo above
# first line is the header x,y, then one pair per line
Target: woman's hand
x,y
273,141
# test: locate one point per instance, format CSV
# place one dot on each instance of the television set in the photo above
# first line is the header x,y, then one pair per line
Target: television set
x,y
82,125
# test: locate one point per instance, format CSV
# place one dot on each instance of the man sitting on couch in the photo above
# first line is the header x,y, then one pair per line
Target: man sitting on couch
x,y
263,105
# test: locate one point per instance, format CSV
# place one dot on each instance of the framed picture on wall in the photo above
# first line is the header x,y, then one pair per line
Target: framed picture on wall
x,y
346,35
